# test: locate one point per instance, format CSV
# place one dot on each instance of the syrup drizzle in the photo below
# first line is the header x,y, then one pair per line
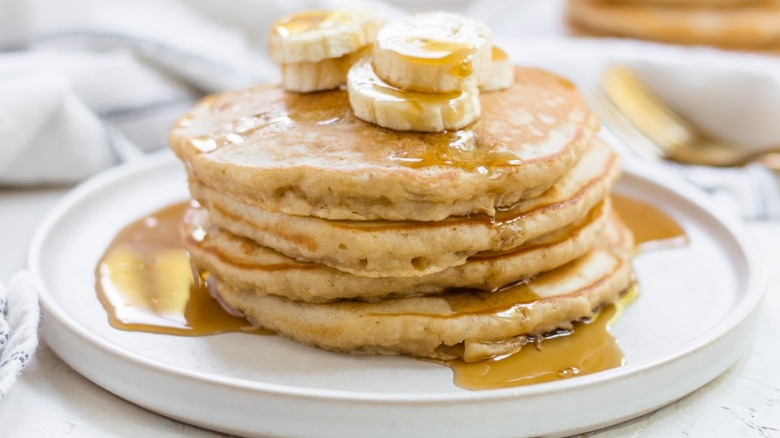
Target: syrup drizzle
x,y
428,51
652,228
251,120
309,21
145,283
586,349
498,55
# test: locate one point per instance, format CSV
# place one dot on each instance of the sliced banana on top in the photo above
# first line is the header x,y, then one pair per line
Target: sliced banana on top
x,y
380,103
305,77
434,52
502,72
313,36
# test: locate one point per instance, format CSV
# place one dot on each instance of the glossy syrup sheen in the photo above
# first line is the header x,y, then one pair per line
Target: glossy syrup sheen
x,y
511,218
497,54
453,149
457,149
145,282
653,229
587,349
231,124
308,21
428,51
373,85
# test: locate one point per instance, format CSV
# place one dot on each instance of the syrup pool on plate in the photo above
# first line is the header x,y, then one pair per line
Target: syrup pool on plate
x,y
309,21
586,349
145,283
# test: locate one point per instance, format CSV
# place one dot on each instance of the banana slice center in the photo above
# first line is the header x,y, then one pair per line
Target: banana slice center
x,y
367,82
433,36
433,52
376,101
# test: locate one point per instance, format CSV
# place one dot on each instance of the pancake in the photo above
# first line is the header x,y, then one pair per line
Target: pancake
x,y
411,249
459,324
754,27
701,3
244,264
307,154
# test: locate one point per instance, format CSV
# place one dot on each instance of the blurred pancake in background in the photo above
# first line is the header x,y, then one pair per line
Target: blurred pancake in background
x,y
752,25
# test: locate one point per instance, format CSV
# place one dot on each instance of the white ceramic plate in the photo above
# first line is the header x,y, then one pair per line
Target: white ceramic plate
x,y
688,326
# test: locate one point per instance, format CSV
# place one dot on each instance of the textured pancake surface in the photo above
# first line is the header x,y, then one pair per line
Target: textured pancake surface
x,y
309,155
753,25
244,264
459,324
411,249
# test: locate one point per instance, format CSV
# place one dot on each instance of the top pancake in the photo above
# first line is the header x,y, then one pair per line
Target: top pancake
x,y
307,154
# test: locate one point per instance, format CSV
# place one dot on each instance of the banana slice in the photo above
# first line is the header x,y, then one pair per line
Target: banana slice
x,y
305,77
434,52
380,103
502,72
316,35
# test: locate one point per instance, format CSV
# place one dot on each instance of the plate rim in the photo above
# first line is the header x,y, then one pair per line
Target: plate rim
x,y
755,287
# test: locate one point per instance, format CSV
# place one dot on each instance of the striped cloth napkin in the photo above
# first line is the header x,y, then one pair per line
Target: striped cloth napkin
x,y
18,328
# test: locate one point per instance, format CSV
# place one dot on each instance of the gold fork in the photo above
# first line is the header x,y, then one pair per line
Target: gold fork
x,y
653,129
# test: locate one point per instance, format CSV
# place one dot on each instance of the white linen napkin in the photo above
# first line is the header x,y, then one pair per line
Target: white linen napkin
x,y
86,84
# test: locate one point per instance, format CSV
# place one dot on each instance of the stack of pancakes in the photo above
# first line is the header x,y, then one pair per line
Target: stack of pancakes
x,y
458,244
732,24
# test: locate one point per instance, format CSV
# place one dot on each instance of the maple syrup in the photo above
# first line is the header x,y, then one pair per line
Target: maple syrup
x,y
233,125
505,218
456,149
383,91
308,21
234,120
653,229
587,349
498,55
428,51
145,283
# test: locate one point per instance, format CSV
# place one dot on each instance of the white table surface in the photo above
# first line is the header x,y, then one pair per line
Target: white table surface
x,y
52,400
